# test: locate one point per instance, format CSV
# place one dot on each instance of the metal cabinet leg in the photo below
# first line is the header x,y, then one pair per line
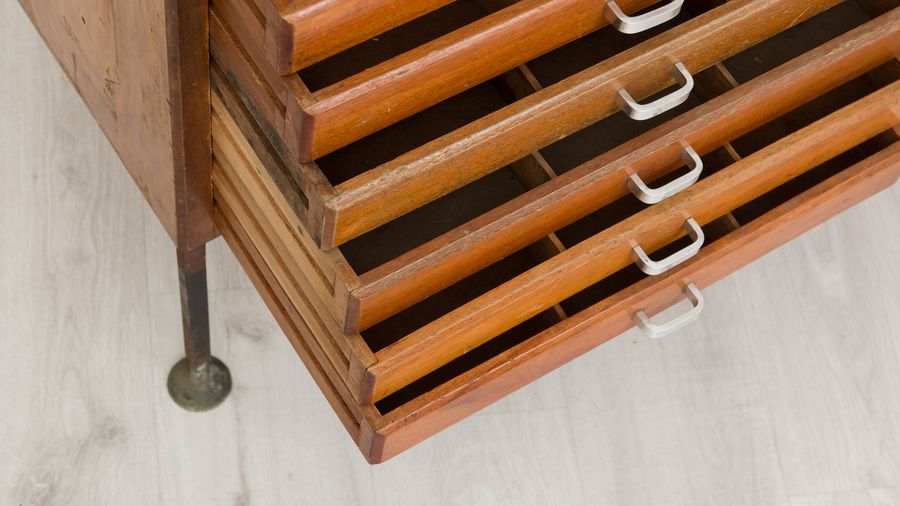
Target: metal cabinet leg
x,y
198,382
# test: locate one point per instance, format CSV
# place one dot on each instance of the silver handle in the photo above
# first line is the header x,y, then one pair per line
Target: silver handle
x,y
657,330
637,24
646,111
654,268
649,195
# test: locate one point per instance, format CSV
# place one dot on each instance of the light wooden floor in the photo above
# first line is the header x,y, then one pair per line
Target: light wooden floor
x,y
786,393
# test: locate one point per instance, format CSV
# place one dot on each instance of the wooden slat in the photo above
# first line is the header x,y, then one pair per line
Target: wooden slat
x,y
509,371
890,71
284,175
424,174
316,281
299,335
234,149
592,260
386,93
305,281
272,252
472,246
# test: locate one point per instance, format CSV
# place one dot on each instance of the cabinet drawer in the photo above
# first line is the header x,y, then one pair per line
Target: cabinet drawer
x,y
420,322
320,110
387,428
375,277
378,83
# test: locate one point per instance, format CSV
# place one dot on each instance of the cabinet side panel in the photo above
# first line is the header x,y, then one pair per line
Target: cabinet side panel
x,y
116,53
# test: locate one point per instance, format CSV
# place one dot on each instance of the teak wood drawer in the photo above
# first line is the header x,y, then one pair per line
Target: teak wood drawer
x,y
499,234
365,193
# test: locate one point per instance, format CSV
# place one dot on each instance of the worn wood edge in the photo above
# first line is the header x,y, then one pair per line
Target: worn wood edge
x,y
289,96
498,377
314,185
304,182
476,322
253,139
254,199
339,347
293,326
256,232
248,31
338,274
343,352
357,352
241,155
386,282
233,60
289,269
443,165
358,420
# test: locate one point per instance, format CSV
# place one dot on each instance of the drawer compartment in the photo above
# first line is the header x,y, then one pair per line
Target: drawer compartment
x,y
406,70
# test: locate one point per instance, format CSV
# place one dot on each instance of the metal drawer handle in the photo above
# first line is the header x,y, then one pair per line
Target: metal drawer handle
x,y
649,195
646,111
657,330
654,268
637,24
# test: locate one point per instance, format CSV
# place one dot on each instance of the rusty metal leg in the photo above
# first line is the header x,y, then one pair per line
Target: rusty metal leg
x,y
198,382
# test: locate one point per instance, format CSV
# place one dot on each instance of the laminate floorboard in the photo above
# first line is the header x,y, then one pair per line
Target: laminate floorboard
x,y
874,497
785,393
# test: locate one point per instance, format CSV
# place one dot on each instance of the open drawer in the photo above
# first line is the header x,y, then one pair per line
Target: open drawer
x,y
399,73
324,115
799,165
387,428
368,280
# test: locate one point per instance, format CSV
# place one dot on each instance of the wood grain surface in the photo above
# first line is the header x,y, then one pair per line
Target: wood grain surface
x,y
142,69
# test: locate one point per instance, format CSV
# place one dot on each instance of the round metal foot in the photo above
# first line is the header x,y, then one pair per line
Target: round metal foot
x,y
201,389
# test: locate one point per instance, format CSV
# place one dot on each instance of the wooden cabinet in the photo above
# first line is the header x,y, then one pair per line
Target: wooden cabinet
x,y
487,241
441,201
